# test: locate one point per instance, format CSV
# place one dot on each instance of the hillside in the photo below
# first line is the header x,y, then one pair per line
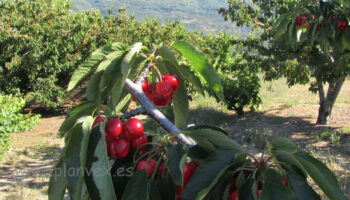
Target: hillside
x,y
196,15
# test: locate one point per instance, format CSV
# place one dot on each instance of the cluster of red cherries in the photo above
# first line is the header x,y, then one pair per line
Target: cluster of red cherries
x,y
121,137
302,20
162,92
341,24
233,195
150,166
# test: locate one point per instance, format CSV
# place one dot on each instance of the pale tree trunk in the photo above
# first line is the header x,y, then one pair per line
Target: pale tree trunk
x,y
327,101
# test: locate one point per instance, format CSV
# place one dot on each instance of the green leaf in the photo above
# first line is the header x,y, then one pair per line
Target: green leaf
x,y
190,76
324,178
91,63
207,174
130,58
283,144
167,187
153,190
202,66
183,71
273,188
218,191
131,62
77,112
58,181
97,177
93,88
175,161
86,68
137,187
207,127
73,162
180,105
289,162
210,140
301,188
88,121
248,190
102,79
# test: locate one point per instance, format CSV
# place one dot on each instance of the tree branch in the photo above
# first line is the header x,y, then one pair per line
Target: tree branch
x,y
155,114
143,74
137,111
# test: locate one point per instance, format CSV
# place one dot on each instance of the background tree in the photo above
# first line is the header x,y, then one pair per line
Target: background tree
x,y
317,38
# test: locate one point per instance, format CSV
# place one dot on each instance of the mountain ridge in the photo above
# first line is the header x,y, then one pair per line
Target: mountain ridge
x,y
196,15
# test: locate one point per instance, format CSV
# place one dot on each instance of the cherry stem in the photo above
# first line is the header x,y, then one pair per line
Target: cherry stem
x,y
155,114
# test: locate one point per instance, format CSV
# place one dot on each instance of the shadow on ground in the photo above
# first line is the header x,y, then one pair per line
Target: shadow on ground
x,y
255,127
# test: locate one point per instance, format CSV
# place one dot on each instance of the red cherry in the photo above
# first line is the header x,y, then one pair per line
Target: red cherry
x,y
164,88
97,120
145,84
285,181
187,173
174,81
345,23
162,168
233,195
113,129
233,185
148,91
160,100
149,166
179,191
194,165
119,148
258,193
139,141
133,128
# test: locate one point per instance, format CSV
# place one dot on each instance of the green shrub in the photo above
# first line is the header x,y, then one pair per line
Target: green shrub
x,y
11,120
42,43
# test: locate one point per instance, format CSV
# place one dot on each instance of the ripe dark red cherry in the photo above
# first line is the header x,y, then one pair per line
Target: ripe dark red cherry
x,y
148,91
140,141
160,100
113,129
285,181
149,166
258,193
187,173
162,168
145,84
164,88
119,148
133,128
173,80
233,195
97,120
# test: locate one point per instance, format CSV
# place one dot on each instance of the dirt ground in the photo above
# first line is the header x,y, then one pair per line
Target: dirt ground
x,y
25,169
